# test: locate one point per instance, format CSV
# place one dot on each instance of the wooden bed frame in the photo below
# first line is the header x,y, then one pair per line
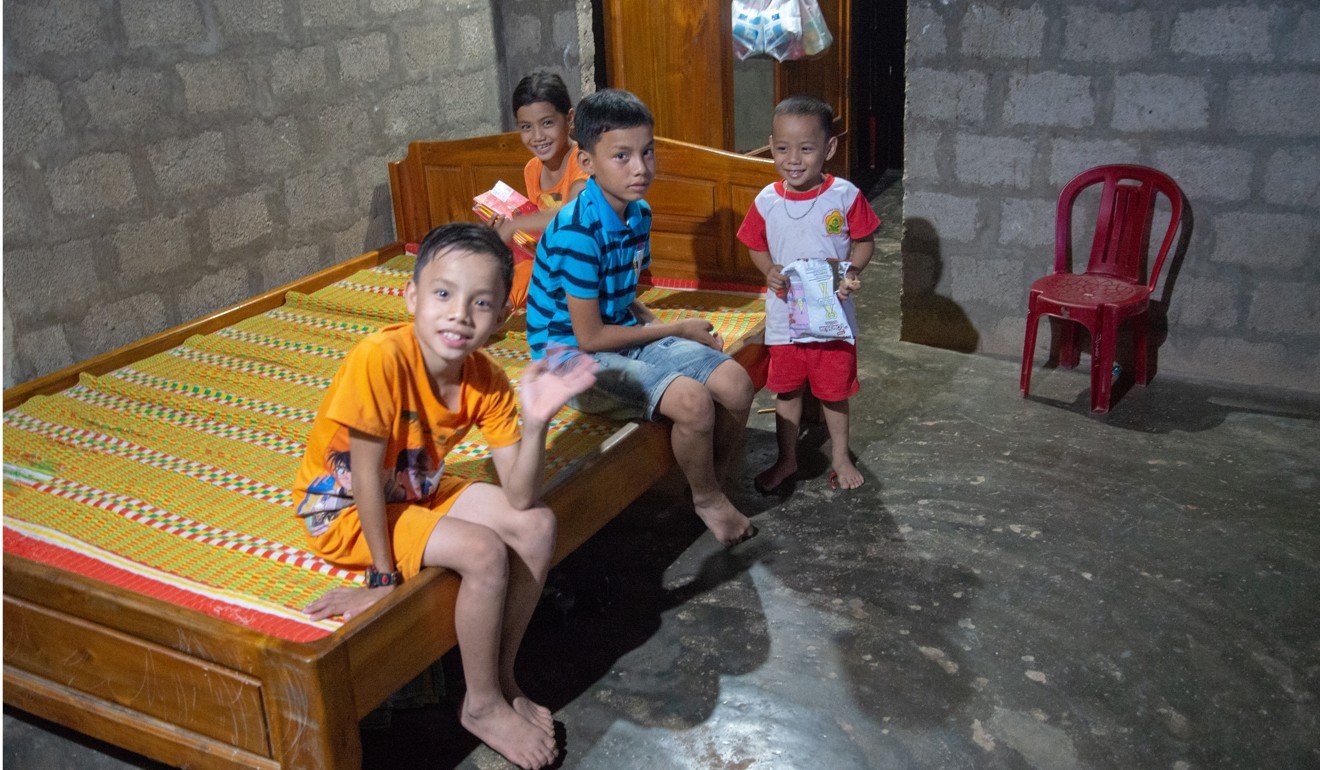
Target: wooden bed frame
x,y
192,690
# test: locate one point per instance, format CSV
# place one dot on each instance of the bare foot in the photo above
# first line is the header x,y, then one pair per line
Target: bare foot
x,y
775,480
504,730
846,476
725,522
534,712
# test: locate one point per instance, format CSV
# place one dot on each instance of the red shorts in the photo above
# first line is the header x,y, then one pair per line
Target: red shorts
x,y
829,367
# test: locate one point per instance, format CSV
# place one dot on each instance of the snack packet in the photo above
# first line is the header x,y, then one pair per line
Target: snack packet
x,y
502,200
815,313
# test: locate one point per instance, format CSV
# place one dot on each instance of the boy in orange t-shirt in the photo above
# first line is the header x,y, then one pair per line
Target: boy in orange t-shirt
x,y
374,494
543,114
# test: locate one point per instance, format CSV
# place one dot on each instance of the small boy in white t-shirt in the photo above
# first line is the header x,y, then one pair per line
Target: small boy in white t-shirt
x,y
808,215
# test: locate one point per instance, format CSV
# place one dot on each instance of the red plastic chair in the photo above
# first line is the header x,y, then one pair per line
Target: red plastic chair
x,y
1111,290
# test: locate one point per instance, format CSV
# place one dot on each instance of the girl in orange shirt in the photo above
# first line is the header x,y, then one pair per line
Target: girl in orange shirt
x,y
543,113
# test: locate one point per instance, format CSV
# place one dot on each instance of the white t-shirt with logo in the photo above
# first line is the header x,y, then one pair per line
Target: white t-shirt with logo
x,y
820,224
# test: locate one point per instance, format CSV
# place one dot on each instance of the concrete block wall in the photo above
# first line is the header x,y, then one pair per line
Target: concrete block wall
x,y
548,34
1008,100
164,158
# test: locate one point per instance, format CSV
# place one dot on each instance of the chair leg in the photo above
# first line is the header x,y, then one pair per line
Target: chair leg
x,y
1069,355
1029,351
1102,363
1140,327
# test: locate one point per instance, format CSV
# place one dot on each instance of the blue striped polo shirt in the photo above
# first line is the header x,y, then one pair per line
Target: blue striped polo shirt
x,y
589,253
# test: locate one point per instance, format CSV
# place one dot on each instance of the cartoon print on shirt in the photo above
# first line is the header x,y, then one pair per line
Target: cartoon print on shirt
x,y
412,479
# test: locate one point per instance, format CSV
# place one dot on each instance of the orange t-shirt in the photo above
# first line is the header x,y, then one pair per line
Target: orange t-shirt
x,y
545,200
383,389
553,198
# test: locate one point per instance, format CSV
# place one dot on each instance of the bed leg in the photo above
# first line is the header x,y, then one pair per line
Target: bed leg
x,y
313,721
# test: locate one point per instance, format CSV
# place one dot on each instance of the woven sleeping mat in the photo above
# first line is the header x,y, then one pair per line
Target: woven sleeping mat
x,y
170,476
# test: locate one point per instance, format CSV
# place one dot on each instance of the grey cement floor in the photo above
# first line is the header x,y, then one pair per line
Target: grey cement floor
x,y
1019,584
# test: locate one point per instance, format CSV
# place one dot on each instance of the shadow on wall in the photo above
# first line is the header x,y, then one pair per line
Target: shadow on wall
x,y
1159,308
380,226
928,318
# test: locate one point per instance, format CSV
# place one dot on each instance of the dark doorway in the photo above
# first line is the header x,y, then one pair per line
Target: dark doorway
x,y
879,33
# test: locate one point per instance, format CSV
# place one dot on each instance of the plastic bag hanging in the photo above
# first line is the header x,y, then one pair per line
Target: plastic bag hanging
x,y
771,27
749,27
782,29
816,35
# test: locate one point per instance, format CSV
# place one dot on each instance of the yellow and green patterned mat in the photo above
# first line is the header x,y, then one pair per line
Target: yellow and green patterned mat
x,y
170,476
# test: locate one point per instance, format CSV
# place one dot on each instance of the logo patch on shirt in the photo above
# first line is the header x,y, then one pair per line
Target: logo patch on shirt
x,y
834,223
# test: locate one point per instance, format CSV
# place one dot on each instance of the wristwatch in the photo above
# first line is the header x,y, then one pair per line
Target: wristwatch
x,y
376,578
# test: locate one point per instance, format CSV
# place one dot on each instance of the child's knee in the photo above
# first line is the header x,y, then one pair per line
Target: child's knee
x,y
735,388
688,403
486,557
539,527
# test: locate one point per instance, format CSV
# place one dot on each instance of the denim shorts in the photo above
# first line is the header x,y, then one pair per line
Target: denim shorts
x,y
630,382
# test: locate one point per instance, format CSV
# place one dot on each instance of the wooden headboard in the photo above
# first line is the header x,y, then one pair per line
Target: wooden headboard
x,y
698,199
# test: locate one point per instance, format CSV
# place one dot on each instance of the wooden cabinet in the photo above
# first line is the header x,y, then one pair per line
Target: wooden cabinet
x,y
678,57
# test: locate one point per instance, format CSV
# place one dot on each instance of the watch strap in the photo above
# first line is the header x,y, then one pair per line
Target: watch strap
x,y
377,579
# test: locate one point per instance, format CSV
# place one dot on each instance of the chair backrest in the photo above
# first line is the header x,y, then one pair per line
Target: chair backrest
x,y
1123,223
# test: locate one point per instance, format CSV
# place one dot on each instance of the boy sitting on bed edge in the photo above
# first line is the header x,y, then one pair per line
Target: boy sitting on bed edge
x,y
584,295
403,398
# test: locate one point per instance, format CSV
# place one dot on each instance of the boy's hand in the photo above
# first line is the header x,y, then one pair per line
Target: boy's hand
x,y
775,280
700,330
851,282
503,226
543,392
349,602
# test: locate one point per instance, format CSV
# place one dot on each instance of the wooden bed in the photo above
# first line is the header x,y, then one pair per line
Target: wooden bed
x,y
192,689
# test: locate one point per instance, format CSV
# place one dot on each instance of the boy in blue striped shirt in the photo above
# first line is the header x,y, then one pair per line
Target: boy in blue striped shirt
x,y
584,295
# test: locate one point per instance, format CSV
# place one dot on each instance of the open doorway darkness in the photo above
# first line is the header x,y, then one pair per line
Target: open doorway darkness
x,y
598,37
879,31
